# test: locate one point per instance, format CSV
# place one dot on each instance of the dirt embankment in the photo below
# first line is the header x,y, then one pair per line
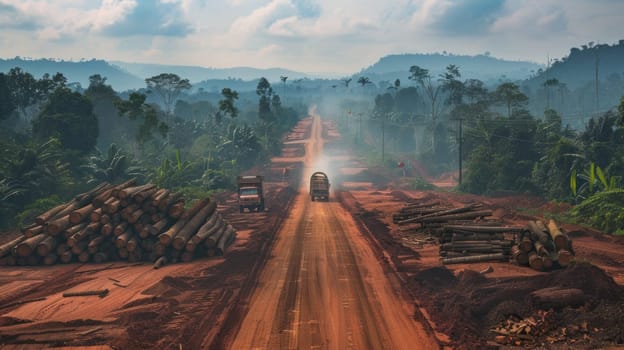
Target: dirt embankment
x,y
467,306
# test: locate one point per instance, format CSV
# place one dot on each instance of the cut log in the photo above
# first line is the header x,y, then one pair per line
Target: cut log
x,y
100,257
564,257
33,231
46,246
189,229
105,219
161,261
132,245
6,248
218,231
540,249
145,194
79,247
93,228
81,214
526,244
84,257
61,247
57,226
122,239
67,256
172,198
48,215
121,228
542,236
94,244
111,205
483,229
557,298
130,191
29,245
134,216
561,241
95,215
440,213
167,237
535,261
208,228
50,259
476,258
107,229
520,257
160,226
466,215
159,197
176,210
70,231
225,240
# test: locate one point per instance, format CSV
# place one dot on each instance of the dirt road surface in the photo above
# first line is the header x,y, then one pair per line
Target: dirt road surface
x,y
324,288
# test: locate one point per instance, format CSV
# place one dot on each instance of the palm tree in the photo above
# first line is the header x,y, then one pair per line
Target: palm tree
x,y
283,79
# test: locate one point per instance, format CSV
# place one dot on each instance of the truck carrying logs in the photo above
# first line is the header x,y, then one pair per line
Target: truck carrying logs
x,y
125,221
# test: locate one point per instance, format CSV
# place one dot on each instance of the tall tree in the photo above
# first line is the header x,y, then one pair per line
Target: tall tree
x,y
432,90
7,106
364,81
135,108
68,115
283,78
168,86
226,105
509,94
23,87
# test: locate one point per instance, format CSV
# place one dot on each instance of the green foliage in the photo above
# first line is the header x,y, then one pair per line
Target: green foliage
x,y
69,116
7,105
603,211
114,167
40,205
135,108
168,86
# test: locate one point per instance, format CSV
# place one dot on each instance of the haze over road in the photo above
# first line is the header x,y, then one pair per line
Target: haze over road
x,y
323,287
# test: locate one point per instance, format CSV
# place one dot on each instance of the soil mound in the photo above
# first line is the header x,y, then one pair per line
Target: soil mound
x,y
469,305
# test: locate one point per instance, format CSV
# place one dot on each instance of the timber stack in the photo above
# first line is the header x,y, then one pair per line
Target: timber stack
x,y
122,222
468,234
543,246
476,242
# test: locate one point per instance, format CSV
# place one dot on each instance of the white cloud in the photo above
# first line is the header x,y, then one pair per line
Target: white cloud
x,y
309,35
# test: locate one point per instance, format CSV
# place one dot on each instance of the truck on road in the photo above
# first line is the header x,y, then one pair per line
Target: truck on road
x,y
250,193
319,186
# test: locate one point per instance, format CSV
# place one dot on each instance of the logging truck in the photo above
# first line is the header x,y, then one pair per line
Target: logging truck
x,y
319,186
250,194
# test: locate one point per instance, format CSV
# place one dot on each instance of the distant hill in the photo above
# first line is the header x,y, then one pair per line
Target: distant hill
x,y
196,74
482,67
579,67
76,71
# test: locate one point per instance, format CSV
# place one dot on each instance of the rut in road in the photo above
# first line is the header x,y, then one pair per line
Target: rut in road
x,y
324,288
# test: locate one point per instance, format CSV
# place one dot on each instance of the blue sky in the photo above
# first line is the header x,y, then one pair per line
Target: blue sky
x,y
312,36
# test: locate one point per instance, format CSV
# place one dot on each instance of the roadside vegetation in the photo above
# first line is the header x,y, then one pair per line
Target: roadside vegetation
x,y
58,139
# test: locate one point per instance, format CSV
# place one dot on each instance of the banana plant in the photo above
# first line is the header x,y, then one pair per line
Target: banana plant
x,y
592,177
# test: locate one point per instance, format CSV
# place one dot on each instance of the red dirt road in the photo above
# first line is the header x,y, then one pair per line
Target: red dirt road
x,y
324,287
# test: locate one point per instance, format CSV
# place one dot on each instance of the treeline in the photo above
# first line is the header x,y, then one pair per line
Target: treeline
x,y
57,139
507,149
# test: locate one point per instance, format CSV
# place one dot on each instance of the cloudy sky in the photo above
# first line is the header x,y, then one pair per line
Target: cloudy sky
x,y
313,36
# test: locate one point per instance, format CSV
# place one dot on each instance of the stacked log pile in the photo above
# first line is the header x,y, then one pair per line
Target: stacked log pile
x,y
122,222
542,247
467,234
433,215
468,243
